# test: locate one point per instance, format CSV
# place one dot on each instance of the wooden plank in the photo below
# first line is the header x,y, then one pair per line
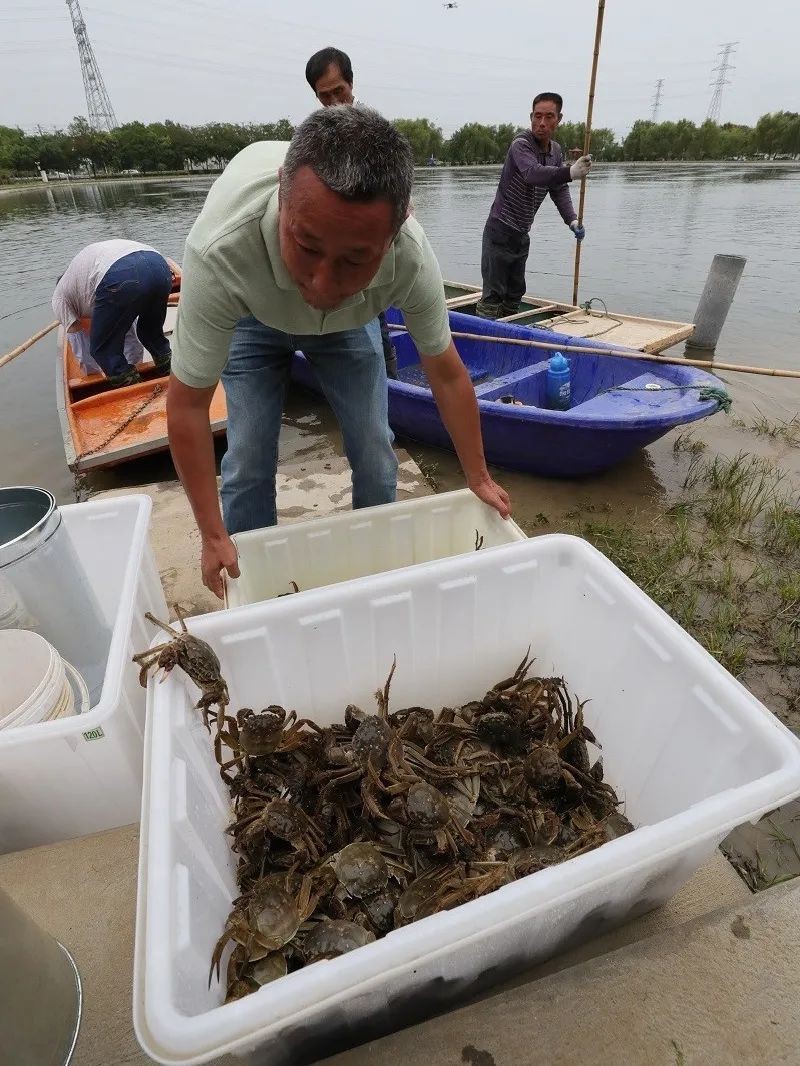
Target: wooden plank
x,y
638,332
462,301
529,310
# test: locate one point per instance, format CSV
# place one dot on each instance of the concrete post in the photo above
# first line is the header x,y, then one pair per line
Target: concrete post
x,y
716,300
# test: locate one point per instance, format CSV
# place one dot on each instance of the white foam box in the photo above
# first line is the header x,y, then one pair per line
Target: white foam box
x,y
82,774
691,753
372,540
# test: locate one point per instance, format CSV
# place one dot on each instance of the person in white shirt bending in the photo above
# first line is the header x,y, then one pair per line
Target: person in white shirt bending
x,y
109,288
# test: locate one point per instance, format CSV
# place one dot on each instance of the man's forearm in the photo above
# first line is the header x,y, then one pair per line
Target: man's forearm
x,y
459,410
561,197
192,445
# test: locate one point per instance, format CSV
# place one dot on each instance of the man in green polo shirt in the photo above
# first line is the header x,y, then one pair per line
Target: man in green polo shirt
x,y
300,247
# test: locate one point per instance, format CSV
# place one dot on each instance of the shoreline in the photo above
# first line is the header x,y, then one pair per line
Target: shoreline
x,y
172,176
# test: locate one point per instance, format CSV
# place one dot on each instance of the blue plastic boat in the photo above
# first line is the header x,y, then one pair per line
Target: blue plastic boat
x,y
618,405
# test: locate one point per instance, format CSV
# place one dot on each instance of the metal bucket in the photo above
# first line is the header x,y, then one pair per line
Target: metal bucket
x,y
40,992
39,563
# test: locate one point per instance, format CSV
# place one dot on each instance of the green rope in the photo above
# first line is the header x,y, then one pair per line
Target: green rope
x,y
707,392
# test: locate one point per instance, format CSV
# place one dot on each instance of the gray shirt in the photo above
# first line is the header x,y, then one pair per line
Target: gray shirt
x,y
528,175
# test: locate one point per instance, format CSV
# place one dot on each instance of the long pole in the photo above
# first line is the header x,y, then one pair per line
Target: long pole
x,y
587,139
625,353
27,344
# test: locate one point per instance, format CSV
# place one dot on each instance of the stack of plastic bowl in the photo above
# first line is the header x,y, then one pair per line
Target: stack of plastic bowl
x,y
37,682
12,613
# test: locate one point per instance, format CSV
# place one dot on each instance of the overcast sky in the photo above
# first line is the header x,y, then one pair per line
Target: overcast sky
x,y
197,61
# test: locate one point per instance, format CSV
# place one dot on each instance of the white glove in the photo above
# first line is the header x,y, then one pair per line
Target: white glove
x,y
580,168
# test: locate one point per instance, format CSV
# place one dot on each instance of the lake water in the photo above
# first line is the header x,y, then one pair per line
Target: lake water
x,y
652,231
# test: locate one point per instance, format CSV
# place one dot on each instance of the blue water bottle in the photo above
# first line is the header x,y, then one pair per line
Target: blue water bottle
x,y
558,384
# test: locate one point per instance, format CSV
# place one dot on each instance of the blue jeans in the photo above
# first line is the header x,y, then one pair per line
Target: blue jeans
x,y
352,373
136,286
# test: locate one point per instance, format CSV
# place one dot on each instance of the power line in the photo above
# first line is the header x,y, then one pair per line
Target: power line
x,y
656,100
101,113
721,70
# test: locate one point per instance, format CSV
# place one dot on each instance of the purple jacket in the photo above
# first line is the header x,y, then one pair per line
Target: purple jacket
x,y
528,175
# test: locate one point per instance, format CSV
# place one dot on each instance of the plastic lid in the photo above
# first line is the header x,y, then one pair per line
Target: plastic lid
x,y
559,363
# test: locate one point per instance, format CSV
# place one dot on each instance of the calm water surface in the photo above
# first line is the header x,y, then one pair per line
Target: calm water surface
x,y
651,234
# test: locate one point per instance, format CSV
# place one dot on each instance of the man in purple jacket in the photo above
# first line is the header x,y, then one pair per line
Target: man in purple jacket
x,y
533,168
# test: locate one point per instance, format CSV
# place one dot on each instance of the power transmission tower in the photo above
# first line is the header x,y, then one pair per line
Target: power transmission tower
x,y
101,113
721,70
656,100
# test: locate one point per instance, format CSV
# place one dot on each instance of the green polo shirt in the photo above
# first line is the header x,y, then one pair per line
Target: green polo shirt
x,y
232,267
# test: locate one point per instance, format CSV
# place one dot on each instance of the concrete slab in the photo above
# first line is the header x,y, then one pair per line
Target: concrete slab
x,y
309,489
723,989
84,893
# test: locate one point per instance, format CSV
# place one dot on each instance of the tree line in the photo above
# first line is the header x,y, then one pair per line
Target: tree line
x,y
171,146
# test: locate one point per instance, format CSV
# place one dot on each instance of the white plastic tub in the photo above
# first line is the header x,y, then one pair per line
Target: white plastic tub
x,y
80,774
372,540
692,753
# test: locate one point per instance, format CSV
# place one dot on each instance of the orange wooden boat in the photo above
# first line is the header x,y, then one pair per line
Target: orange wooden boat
x,y
104,427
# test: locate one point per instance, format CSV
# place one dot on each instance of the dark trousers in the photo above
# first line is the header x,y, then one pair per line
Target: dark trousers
x,y
136,286
389,354
504,253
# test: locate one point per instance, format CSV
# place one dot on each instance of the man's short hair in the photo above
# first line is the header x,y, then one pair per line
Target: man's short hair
x,y
357,153
549,96
320,61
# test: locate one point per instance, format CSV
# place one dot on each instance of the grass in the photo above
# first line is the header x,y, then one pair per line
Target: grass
x,y
723,560
785,430
687,442
430,471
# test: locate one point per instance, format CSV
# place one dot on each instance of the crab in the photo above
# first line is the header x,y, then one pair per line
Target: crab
x,y
262,922
283,820
253,735
427,819
195,657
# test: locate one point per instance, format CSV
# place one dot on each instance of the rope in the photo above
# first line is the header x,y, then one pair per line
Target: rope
x,y
19,310
587,307
79,479
706,392
123,425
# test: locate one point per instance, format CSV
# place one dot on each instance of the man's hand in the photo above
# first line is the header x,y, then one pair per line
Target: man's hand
x,y
577,229
218,554
580,168
455,397
493,494
192,447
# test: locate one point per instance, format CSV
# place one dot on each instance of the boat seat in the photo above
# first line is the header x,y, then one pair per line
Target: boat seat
x,y
83,382
496,387
631,398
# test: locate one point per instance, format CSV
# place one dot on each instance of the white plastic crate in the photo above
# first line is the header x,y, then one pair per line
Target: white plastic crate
x,y
372,540
690,751
79,775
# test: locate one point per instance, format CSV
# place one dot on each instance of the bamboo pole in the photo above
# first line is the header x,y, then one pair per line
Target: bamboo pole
x,y
587,140
624,353
7,358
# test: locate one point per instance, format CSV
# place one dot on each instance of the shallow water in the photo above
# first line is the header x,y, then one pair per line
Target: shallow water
x,y
651,234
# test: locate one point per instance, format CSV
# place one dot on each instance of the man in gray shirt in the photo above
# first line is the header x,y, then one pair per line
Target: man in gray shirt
x,y
300,247
533,168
